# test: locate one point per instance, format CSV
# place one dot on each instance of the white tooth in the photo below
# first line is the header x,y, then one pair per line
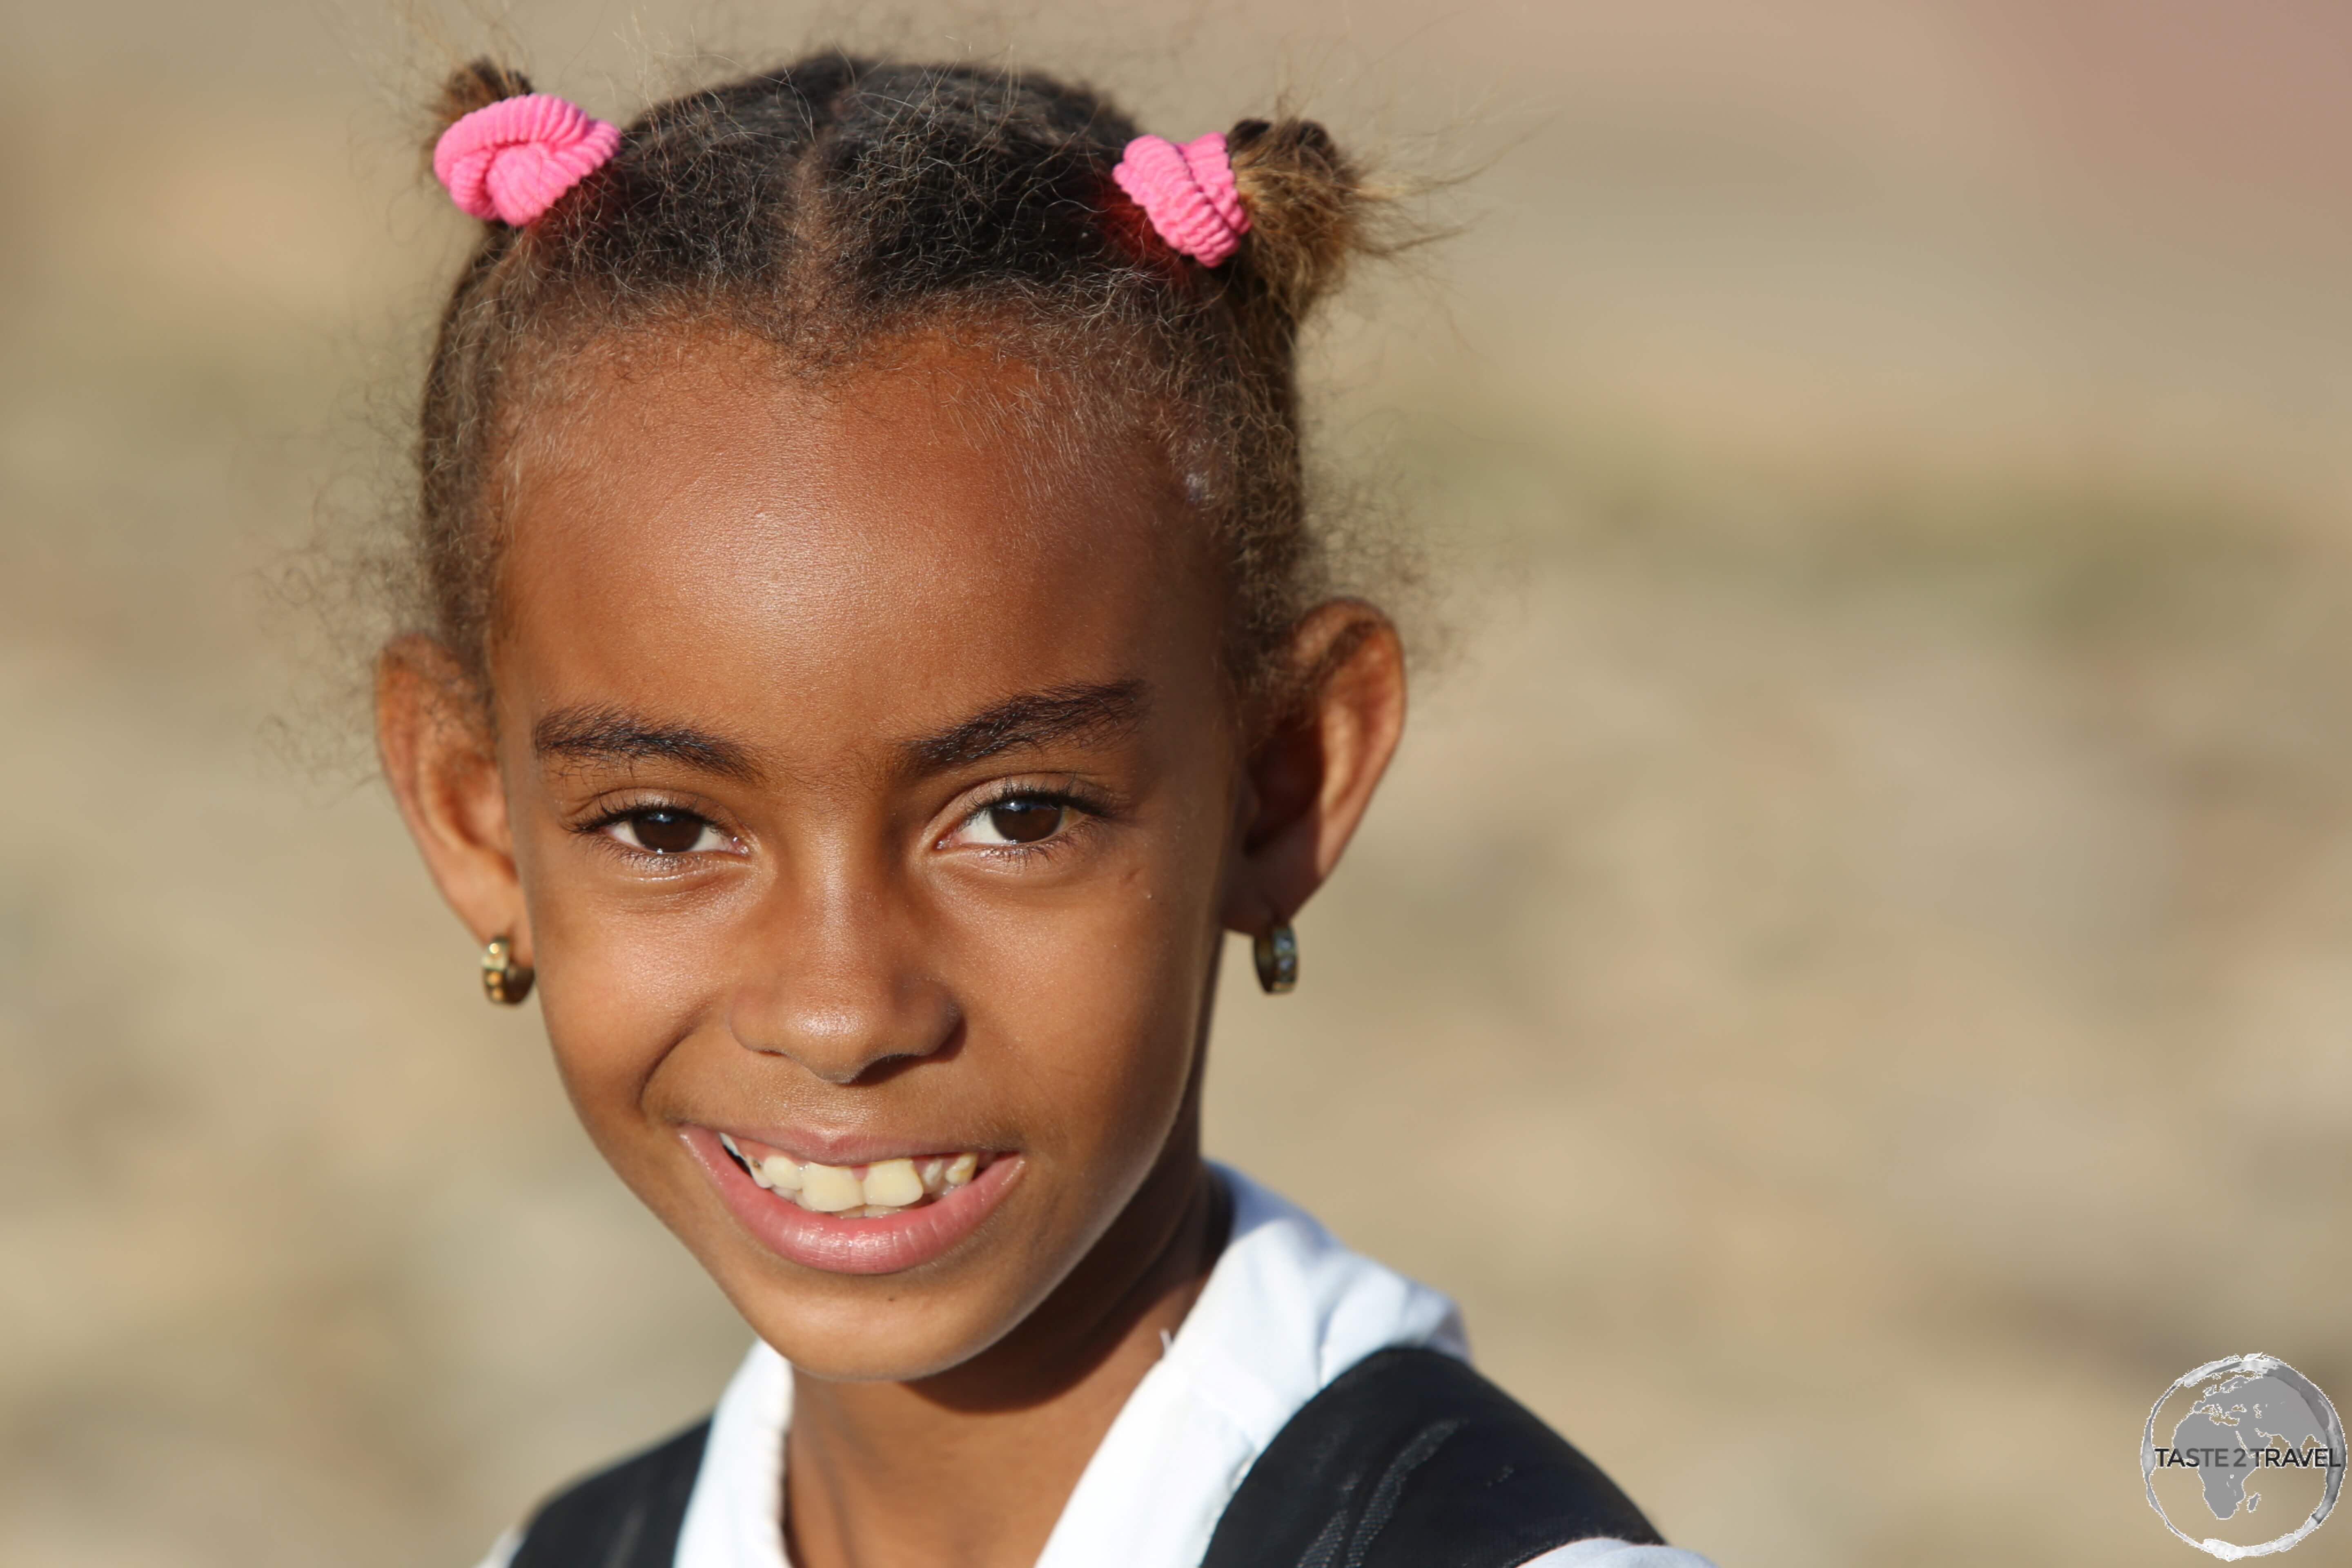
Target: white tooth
x,y
892,1183
935,1175
781,1173
829,1189
761,1177
962,1168
727,1141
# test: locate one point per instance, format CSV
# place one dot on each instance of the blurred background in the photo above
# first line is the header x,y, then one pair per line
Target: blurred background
x,y
1868,893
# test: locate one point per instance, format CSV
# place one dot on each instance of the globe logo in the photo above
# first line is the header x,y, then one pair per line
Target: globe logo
x,y
2243,1457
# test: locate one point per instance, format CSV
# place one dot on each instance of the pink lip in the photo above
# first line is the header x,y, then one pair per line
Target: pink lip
x,y
883,1246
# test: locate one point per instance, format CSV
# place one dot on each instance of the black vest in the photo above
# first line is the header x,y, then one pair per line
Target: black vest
x,y
1409,1459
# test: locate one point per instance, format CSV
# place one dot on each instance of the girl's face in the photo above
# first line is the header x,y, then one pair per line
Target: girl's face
x,y
866,797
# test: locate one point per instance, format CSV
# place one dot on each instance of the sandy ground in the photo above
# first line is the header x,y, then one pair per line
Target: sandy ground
x,y
1848,985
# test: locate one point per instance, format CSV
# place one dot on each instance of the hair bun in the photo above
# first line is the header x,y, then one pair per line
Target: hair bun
x,y
476,84
1306,204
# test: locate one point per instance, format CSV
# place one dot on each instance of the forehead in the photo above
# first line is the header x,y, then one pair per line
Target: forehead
x,y
696,532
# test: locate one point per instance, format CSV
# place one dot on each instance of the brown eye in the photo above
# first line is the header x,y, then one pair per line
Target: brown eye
x,y
1025,821
666,832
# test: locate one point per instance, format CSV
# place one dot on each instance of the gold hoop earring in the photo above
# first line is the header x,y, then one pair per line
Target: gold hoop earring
x,y
1277,951
503,980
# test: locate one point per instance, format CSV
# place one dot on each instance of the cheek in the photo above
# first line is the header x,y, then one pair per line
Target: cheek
x,y
1101,1008
619,986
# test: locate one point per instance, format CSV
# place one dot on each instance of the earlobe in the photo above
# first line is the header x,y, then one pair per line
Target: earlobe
x,y
1311,780
437,759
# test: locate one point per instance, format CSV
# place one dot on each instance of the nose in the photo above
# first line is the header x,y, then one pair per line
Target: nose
x,y
836,982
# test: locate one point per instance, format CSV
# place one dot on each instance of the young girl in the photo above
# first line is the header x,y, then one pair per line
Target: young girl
x,y
868,653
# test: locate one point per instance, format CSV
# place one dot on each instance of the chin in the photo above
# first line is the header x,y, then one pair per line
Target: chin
x,y
902,1340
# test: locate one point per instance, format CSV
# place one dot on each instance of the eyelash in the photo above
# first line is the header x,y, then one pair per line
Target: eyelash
x,y
1084,811
600,825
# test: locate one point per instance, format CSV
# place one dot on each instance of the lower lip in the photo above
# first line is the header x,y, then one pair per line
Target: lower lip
x,y
885,1245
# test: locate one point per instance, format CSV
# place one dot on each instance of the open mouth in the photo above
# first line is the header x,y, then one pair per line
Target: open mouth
x,y
873,1191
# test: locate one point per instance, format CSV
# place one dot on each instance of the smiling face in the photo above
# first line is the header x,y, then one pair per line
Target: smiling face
x,y
862,782
868,777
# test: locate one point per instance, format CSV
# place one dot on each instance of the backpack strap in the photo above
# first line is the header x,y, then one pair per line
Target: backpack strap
x,y
1411,1459
626,1517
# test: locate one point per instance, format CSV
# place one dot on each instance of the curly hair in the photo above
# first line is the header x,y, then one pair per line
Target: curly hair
x,y
838,204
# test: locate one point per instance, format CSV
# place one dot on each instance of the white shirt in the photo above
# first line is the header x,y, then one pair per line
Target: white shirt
x,y
1287,1309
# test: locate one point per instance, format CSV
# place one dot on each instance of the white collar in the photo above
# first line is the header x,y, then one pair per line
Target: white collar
x,y
1286,1310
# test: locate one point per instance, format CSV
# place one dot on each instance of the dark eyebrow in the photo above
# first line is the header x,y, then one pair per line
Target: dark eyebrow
x,y
613,736
1086,714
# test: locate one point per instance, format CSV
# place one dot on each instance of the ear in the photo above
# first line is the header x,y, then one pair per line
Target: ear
x,y
438,757
1310,780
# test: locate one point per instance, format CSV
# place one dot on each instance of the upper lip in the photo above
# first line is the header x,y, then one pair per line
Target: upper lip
x,y
809,1146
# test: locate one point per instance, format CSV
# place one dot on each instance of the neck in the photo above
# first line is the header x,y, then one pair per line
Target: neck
x,y
970,1469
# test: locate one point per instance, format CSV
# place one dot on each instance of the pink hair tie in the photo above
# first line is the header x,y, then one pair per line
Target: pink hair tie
x,y
510,160
1187,191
